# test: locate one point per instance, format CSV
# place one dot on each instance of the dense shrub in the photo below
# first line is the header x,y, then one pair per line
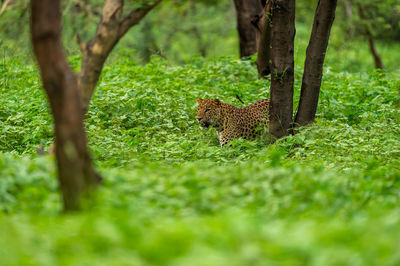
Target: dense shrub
x,y
172,196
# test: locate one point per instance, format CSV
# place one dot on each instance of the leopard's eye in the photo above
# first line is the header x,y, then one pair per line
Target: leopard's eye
x,y
206,110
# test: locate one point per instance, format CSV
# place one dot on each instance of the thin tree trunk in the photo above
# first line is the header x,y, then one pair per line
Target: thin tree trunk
x,y
282,66
110,30
315,56
245,11
201,45
368,32
348,12
377,58
75,171
148,43
262,24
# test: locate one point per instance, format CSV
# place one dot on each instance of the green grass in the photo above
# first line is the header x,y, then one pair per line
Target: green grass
x,y
171,196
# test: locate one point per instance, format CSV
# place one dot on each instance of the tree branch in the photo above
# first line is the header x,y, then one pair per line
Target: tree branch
x,y
134,17
4,6
86,8
110,30
82,45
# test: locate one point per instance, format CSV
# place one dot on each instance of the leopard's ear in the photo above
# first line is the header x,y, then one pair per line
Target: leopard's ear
x,y
218,102
198,100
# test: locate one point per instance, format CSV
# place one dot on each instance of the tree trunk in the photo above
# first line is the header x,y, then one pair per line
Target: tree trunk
x,y
262,23
201,44
368,32
110,30
348,13
315,56
245,11
377,58
282,66
75,171
148,45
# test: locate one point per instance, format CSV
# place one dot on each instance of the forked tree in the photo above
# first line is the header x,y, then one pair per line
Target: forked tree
x,y
69,95
275,44
111,28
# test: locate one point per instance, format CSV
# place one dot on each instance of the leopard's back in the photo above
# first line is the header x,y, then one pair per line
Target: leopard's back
x,y
242,122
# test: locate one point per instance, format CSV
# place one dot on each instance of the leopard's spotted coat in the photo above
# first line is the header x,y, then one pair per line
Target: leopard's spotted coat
x,y
229,121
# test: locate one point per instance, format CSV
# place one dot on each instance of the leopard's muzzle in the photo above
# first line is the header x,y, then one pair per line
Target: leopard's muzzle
x,y
204,124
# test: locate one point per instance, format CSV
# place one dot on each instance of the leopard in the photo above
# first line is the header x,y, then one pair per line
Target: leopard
x,y
232,122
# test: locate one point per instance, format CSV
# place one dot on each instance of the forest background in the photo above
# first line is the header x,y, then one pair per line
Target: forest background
x,y
170,194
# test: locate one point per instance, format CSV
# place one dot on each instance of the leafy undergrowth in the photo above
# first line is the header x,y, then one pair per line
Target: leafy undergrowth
x,y
329,195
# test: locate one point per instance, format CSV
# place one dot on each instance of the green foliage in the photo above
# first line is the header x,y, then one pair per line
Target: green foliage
x,y
177,30
382,18
327,196
171,195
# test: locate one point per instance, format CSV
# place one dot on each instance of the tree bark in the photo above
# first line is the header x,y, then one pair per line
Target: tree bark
x,y
245,11
282,66
313,66
110,30
262,24
75,171
368,32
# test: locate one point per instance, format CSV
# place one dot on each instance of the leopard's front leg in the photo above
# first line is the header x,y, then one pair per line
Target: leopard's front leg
x,y
223,139
227,136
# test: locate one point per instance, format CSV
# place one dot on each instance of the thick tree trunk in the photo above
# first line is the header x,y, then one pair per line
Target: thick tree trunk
x,y
245,11
315,56
110,30
368,32
262,23
282,66
75,171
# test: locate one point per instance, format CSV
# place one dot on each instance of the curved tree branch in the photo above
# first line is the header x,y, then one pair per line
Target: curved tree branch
x,y
112,27
134,17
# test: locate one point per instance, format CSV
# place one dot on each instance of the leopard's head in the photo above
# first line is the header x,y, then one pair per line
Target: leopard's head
x,y
209,112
